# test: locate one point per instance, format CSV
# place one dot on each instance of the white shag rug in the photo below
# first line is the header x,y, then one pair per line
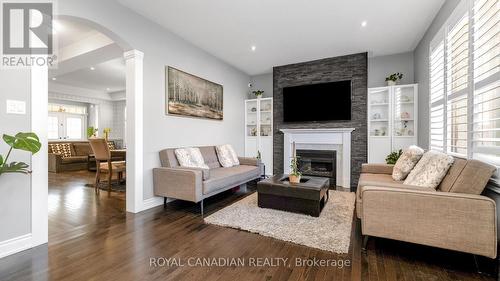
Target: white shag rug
x,y
331,231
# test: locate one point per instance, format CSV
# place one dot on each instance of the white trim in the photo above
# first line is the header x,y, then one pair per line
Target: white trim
x,y
134,138
15,245
151,203
40,174
321,137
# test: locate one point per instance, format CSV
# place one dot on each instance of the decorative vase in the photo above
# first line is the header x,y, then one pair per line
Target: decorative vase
x,y
391,83
294,179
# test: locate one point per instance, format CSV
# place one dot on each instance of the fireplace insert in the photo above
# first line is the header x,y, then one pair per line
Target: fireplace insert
x,y
319,163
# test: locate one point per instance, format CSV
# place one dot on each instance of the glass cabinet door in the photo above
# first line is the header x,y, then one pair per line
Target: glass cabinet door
x,y
379,111
251,118
403,111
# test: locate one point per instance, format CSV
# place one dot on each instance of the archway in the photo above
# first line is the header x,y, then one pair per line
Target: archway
x,y
134,133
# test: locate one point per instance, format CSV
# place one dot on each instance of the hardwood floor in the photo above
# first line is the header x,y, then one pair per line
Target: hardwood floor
x,y
93,238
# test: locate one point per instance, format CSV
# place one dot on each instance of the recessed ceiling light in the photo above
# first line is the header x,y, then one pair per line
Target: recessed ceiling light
x,y
108,89
363,23
254,48
54,79
92,68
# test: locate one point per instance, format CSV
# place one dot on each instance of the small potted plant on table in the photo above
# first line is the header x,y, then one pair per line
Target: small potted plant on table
x,y
295,174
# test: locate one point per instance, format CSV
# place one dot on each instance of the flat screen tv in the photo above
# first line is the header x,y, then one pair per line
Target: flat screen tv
x,y
317,102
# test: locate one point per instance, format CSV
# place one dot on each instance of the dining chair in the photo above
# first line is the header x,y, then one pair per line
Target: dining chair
x,y
104,164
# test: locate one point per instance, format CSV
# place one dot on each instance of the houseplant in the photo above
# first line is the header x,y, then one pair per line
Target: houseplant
x,y
393,78
22,141
258,93
91,132
393,157
294,176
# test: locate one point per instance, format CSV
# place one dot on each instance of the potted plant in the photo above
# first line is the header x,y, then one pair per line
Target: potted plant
x,y
294,176
22,141
259,155
91,132
393,157
258,93
393,78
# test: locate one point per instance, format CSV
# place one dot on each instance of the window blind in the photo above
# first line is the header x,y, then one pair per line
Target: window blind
x,y
436,66
464,83
486,92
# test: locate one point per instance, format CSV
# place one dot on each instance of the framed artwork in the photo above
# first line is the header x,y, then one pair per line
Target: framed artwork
x,y
192,96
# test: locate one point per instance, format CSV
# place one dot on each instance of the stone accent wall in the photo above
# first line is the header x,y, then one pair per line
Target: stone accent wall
x,y
351,67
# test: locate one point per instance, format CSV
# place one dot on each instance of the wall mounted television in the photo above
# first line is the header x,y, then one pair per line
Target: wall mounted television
x,y
317,102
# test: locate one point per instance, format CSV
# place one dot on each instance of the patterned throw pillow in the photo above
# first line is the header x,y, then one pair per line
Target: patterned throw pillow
x,y
430,170
190,157
111,145
406,162
61,148
227,156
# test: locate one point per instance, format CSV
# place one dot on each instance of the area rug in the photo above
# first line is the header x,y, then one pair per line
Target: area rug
x,y
331,231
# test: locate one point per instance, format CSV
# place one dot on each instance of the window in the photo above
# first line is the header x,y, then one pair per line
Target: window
x,y
464,79
66,122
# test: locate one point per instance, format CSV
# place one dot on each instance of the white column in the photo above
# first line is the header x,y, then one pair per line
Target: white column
x,y
39,176
346,159
134,137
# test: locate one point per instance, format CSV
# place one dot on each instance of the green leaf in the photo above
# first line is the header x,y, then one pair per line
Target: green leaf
x,y
24,141
1,160
15,167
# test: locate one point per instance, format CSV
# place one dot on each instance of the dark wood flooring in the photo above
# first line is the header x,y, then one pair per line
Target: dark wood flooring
x,y
93,238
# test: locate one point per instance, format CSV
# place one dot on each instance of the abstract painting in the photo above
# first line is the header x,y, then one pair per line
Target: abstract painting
x,y
189,95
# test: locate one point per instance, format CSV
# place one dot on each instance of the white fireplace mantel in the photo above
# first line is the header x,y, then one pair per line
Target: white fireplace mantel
x,y
321,138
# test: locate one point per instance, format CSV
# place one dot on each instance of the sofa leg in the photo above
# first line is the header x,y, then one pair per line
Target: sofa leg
x,y
201,208
365,242
164,202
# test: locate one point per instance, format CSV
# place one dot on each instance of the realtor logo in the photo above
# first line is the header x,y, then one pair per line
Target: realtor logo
x,y
27,28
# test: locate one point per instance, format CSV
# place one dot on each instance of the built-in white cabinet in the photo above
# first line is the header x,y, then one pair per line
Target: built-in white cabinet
x,y
259,130
392,120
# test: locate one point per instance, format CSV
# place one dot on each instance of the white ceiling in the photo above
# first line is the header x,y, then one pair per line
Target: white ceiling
x,y
108,76
290,31
89,59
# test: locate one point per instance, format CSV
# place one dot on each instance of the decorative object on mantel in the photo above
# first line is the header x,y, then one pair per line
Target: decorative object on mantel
x,y
295,175
22,141
192,96
393,78
258,93
393,157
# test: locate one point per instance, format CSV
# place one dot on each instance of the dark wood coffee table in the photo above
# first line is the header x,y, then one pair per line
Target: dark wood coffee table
x,y
307,197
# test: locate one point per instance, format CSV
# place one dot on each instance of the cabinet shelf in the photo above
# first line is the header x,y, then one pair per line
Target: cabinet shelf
x,y
390,104
259,134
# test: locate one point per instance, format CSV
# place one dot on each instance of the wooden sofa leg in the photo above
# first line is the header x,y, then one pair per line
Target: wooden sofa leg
x,y
365,242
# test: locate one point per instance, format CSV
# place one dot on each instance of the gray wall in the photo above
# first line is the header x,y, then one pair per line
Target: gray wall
x,y
351,67
421,58
15,189
381,67
262,82
378,69
162,48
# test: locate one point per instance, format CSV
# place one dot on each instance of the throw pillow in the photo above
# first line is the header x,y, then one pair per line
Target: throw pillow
x,y
227,156
64,149
430,170
111,145
190,157
406,162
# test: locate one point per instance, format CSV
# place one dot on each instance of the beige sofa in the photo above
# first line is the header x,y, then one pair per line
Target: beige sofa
x,y
455,216
195,184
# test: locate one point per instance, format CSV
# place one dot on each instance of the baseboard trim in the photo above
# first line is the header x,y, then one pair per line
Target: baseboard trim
x,y
151,203
15,245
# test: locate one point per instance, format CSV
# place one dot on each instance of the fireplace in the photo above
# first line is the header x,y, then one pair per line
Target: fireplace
x,y
318,163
